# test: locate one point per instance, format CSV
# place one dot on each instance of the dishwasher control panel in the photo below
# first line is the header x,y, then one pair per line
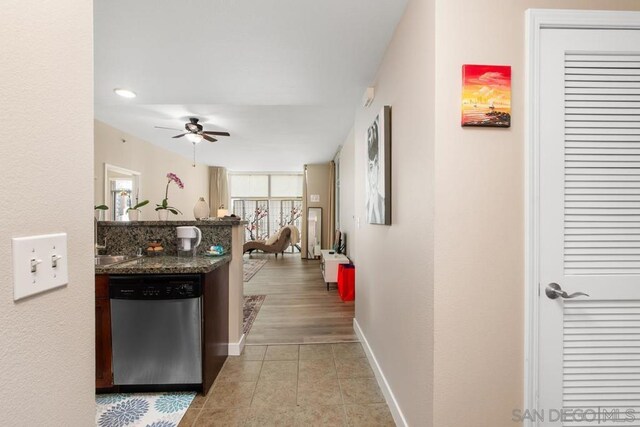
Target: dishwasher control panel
x,y
152,287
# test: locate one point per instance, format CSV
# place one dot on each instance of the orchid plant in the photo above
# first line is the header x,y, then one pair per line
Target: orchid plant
x,y
171,177
139,203
137,206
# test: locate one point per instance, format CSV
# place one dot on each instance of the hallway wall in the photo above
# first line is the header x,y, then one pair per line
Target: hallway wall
x,y
347,191
440,293
47,341
394,264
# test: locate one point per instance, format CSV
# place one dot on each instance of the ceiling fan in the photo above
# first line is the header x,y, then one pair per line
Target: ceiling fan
x,y
195,133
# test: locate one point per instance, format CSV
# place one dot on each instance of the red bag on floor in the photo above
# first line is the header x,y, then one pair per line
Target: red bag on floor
x,y
347,282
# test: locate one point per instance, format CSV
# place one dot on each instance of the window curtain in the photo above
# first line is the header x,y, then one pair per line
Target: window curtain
x,y
218,189
304,253
331,232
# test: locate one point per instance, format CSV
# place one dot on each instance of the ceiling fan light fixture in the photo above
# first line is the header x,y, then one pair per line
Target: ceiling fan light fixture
x,y
125,93
194,137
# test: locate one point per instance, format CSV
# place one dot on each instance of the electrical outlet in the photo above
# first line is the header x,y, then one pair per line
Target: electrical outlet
x,y
39,264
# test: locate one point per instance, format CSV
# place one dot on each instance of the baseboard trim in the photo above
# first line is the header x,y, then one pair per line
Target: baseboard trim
x,y
398,417
235,348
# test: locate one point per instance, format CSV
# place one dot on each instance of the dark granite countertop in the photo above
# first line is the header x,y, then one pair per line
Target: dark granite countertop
x,y
165,264
209,222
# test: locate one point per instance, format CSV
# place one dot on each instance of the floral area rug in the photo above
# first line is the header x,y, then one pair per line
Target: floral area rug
x,y
142,410
251,267
252,304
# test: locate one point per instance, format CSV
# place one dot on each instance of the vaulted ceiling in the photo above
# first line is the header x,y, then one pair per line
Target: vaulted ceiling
x,y
282,76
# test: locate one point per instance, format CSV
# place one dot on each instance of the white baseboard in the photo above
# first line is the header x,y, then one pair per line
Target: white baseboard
x,y
235,348
398,417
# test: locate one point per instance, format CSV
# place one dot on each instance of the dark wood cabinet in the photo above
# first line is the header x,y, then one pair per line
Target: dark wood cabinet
x,y
215,318
104,367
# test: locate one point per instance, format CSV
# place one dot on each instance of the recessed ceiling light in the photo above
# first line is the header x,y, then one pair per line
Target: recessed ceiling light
x,y
125,93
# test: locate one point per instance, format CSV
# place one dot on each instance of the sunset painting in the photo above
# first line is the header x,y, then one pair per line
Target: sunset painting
x,y
486,95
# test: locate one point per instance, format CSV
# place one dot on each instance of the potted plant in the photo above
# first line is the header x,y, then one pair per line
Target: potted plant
x,y
163,208
98,211
134,212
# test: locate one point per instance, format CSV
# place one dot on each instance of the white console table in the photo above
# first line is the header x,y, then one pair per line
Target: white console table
x,y
329,264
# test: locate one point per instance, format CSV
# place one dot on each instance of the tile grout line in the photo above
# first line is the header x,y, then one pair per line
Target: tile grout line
x,y
297,387
207,396
253,393
195,420
344,406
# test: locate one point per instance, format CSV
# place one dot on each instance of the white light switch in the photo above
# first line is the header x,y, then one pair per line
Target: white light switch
x,y
39,264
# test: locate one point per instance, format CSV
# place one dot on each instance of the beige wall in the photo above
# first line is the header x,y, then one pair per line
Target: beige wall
x,y
347,190
318,182
479,220
394,265
440,292
47,372
153,163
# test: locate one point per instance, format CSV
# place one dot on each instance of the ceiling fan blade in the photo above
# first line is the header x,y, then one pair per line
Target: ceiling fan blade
x,y
208,138
162,127
179,136
210,132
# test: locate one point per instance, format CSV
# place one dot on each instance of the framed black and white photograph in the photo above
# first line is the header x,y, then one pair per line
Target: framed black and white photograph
x,y
378,176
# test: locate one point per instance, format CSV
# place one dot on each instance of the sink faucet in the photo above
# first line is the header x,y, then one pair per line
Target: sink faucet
x,y
100,247
97,247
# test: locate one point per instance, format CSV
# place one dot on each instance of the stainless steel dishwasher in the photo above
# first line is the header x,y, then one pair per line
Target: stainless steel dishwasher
x,y
156,330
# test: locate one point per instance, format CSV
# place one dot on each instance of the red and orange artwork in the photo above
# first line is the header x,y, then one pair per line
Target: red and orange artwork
x,y
486,95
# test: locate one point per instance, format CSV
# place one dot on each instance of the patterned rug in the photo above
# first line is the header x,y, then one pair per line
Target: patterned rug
x,y
252,305
251,267
142,410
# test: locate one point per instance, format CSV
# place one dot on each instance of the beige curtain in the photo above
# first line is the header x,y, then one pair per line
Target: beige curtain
x,y
331,232
303,238
218,189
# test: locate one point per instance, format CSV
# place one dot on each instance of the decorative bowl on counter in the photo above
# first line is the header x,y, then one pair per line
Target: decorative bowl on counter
x,y
215,251
154,248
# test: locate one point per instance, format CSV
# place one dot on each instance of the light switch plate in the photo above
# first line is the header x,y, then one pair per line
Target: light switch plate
x,y
314,198
47,255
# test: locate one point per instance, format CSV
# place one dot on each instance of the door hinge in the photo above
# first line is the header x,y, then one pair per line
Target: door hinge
x,y
538,289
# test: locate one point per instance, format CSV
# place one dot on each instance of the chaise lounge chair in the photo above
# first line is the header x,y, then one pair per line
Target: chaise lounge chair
x,y
279,246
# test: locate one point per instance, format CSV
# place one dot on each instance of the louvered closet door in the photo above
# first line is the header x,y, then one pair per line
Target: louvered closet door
x,y
590,226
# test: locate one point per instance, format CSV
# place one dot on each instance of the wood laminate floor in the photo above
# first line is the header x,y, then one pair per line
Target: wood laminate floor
x,y
298,309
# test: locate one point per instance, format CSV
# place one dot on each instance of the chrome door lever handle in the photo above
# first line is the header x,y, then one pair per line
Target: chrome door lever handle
x,y
554,291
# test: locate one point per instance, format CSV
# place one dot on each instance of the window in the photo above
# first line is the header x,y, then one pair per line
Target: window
x,y
249,186
267,201
121,191
286,186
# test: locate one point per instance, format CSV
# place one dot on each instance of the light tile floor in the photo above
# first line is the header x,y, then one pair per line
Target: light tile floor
x,y
293,385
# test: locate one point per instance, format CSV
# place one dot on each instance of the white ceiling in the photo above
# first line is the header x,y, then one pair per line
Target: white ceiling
x,y
282,76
